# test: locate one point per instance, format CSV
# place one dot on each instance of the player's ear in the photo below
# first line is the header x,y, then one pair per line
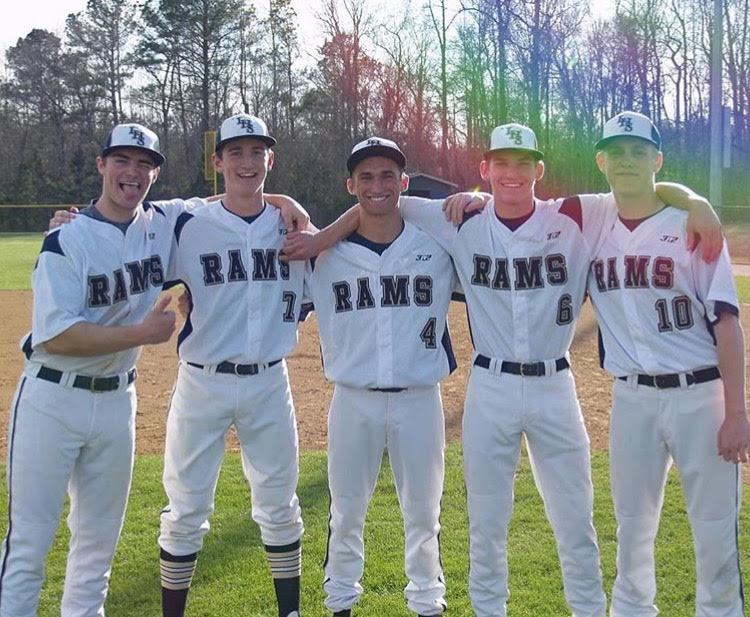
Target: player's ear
x,y
539,170
270,160
404,182
218,162
350,185
484,169
600,162
100,164
658,162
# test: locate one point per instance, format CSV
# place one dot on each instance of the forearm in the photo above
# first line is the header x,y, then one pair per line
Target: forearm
x,y
86,339
342,227
681,197
730,345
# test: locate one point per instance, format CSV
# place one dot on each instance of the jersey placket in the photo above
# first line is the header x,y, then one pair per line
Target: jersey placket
x,y
254,293
641,335
384,324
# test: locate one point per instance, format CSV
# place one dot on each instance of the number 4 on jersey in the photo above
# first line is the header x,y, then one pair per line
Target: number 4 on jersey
x,y
429,334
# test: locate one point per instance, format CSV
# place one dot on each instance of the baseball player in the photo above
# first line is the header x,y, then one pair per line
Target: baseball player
x,y
382,297
672,340
72,422
523,266
245,307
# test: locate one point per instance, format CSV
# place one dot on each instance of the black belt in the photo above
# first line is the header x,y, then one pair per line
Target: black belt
x,y
86,382
392,390
237,369
527,369
673,379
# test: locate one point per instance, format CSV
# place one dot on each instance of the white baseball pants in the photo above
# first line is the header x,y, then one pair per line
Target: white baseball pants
x,y
500,408
65,438
649,429
361,425
204,406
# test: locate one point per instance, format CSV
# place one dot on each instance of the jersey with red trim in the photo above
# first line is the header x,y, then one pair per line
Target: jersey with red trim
x,y
655,300
382,318
524,288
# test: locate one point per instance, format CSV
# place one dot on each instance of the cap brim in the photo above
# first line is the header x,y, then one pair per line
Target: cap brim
x,y
537,153
158,157
366,153
599,145
266,139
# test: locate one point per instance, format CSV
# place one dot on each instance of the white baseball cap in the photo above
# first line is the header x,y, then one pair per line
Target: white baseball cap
x,y
134,135
375,146
243,125
629,124
514,137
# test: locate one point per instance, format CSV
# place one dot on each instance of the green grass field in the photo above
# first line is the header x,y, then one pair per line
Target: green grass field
x,y
18,253
232,576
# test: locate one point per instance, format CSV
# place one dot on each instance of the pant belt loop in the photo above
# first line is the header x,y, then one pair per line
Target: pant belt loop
x,y
67,379
550,368
495,366
632,382
210,369
683,380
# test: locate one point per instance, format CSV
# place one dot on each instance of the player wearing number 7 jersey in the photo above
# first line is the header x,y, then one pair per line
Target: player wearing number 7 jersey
x,y
381,296
672,338
242,324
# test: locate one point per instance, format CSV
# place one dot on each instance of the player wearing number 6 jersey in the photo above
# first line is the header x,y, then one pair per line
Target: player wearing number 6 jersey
x,y
672,339
242,324
381,297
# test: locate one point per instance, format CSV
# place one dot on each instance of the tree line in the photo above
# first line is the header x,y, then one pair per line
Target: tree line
x,y
434,77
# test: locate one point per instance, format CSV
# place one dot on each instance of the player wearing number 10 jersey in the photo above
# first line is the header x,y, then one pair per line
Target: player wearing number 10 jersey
x,y
672,338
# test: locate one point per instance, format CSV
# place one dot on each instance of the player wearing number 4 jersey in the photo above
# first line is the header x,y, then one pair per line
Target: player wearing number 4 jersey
x,y
672,340
522,264
72,422
382,297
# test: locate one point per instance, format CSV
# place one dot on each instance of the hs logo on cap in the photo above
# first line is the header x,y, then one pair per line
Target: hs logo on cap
x,y
515,136
246,124
138,136
626,123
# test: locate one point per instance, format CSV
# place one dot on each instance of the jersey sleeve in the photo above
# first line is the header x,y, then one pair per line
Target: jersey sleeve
x,y
595,214
714,284
59,291
427,214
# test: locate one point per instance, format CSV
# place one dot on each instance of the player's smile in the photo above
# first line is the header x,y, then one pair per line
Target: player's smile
x,y
512,175
377,182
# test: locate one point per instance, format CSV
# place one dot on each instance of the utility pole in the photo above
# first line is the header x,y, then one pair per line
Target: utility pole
x,y
716,152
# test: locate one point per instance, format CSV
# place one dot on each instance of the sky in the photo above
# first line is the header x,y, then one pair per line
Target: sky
x,y
51,14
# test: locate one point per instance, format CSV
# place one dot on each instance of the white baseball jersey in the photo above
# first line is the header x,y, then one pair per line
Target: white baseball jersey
x,y
382,318
524,289
246,302
114,285
655,300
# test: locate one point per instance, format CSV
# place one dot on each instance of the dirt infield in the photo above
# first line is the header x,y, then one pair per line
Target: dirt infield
x,y
158,364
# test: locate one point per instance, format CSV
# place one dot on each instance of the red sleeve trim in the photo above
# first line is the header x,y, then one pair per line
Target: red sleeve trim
x,y
571,207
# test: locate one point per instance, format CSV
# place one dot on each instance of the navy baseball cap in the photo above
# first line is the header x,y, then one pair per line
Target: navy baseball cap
x,y
134,135
242,125
375,146
629,124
